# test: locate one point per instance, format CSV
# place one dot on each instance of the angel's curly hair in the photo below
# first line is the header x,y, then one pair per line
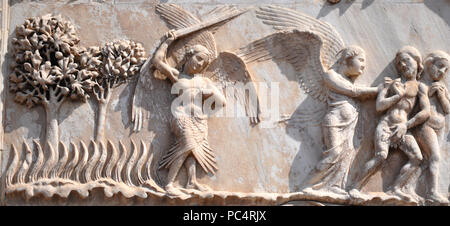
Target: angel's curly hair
x,y
192,50
348,52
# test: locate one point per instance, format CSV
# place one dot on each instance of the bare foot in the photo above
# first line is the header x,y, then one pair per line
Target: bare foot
x,y
356,194
437,198
152,185
337,190
195,185
399,193
415,197
324,191
173,191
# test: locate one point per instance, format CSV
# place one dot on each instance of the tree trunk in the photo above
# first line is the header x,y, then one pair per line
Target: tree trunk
x,y
101,118
51,140
51,106
52,129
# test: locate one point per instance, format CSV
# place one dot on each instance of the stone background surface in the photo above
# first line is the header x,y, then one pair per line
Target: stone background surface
x,y
271,157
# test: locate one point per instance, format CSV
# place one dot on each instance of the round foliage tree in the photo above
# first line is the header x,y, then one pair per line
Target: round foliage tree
x,y
46,68
109,66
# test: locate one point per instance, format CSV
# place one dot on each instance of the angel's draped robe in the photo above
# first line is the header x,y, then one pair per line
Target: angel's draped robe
x,y
338,128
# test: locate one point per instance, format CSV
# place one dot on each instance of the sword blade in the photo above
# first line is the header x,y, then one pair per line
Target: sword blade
x,y
205,24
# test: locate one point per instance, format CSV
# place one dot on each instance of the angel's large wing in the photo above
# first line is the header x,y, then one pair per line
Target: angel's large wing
x,y
287,19
231,75
177,18
301,49
138,113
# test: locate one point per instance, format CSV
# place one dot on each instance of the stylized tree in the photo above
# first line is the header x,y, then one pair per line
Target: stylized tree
x,y
111,65
46,69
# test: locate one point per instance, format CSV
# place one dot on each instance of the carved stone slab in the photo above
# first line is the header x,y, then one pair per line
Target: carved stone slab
x,y
230,103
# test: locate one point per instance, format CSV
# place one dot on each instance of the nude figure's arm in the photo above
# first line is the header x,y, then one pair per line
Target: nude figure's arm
x,y
159,60
219,97
383,103
445,103
424,104
347,88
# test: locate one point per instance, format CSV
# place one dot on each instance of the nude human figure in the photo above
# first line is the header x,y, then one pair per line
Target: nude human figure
x,y
397,99
338,125
437,65
189,124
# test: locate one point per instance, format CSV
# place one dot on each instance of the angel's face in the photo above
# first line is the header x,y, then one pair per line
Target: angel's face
x,y
437,68
355,65
196,63
406,65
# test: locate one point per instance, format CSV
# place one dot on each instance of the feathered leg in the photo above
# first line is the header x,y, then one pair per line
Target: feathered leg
x,y
173,172
192,182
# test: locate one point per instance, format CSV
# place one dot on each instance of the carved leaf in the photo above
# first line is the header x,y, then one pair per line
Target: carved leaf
x,y
25,164
13,166
101,162
73,162
39,161
112,160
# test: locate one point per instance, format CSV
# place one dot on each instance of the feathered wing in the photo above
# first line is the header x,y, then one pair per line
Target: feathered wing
x,y
218,12
176,18
286,19
304,117
230,73
138,112
301,49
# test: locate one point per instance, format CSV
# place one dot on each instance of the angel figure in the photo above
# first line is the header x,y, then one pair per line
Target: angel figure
x,y
338,126
191,130
326,70
192,64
